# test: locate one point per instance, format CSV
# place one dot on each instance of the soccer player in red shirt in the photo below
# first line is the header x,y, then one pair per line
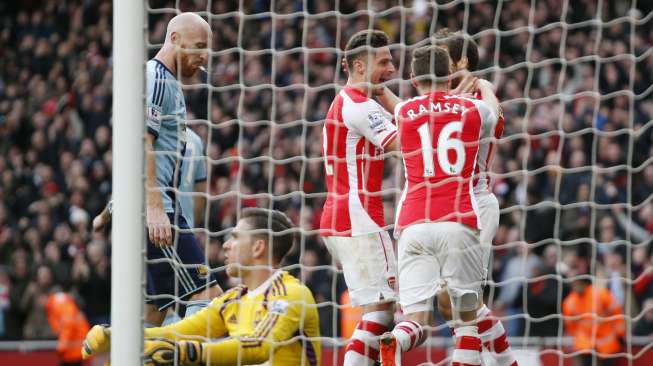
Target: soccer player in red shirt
x,y
438,220
464,56
356,133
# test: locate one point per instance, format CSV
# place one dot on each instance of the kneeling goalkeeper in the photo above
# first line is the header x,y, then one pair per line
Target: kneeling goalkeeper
x,y
270,317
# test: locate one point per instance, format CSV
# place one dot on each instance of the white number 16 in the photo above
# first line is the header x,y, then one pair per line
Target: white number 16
x,y
445,143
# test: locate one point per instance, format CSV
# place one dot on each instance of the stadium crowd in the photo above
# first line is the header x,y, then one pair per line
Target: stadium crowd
x,y
573,172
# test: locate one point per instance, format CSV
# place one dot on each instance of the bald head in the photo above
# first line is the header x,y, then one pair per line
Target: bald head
x,y
185,23
188,39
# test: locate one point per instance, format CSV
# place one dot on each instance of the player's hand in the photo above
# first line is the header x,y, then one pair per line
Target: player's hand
x,y
99,222
378,90
98,340
467,83
158,226
163,352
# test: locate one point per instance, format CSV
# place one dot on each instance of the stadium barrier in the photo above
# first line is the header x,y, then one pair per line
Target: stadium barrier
x,y
530,351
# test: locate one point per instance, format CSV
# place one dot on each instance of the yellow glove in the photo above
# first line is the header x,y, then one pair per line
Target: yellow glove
x,y
98,340
163,352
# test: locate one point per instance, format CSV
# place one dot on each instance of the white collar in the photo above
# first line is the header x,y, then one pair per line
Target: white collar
x,y
265,285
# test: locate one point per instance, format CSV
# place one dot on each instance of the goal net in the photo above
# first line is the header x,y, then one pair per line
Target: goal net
x,y
573,171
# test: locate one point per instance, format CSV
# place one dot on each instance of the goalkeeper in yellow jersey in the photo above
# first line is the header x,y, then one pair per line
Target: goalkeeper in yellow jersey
x,y
271,317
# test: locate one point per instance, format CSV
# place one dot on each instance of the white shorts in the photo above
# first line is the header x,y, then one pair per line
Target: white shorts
x,y
439,256
369,264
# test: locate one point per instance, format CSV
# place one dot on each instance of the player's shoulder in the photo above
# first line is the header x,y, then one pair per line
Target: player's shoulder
x,y
231,296
471,104
159,82
407,104
358,108
356,102
151,67
287,294
156,70
467,100
288,287
353,95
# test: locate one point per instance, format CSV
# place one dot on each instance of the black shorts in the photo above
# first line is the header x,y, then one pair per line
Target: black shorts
x,y
177,272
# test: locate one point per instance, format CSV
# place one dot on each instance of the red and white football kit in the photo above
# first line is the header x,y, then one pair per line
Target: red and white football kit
x,y
356,131
438,219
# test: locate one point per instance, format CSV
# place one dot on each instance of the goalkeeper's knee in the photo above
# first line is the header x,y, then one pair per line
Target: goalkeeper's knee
x,y
98,340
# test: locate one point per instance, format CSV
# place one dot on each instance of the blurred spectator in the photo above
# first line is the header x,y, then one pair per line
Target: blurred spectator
x,y
594,319
33,305
644,326
55,99
5,285
616,271
643,284
70,326
19,276
92,276
543,305
519,267
575,220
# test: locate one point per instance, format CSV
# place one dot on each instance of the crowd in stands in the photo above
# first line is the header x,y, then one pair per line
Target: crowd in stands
x,y
573,171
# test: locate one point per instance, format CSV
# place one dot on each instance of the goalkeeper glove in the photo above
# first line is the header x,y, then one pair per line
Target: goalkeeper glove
x,y
163,352
98,340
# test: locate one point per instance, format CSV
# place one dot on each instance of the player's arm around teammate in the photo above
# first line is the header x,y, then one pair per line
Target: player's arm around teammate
x,y
463,52
438,243
357,133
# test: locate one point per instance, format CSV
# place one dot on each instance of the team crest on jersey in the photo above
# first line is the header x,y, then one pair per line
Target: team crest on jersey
x,y
392,282
376,120
279,307
202,271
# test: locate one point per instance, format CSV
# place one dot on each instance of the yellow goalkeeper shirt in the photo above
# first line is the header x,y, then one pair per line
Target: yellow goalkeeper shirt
x,y
276,322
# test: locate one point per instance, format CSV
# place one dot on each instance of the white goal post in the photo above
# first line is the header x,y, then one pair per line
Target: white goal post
x,y
128,151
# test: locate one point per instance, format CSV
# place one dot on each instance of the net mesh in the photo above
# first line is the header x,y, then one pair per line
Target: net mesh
x,y
573,172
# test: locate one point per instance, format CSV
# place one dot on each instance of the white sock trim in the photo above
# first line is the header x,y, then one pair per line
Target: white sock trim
x,y
467,330
483,312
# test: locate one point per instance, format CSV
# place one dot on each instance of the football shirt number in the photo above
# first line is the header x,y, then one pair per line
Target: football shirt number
x,y
445,143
